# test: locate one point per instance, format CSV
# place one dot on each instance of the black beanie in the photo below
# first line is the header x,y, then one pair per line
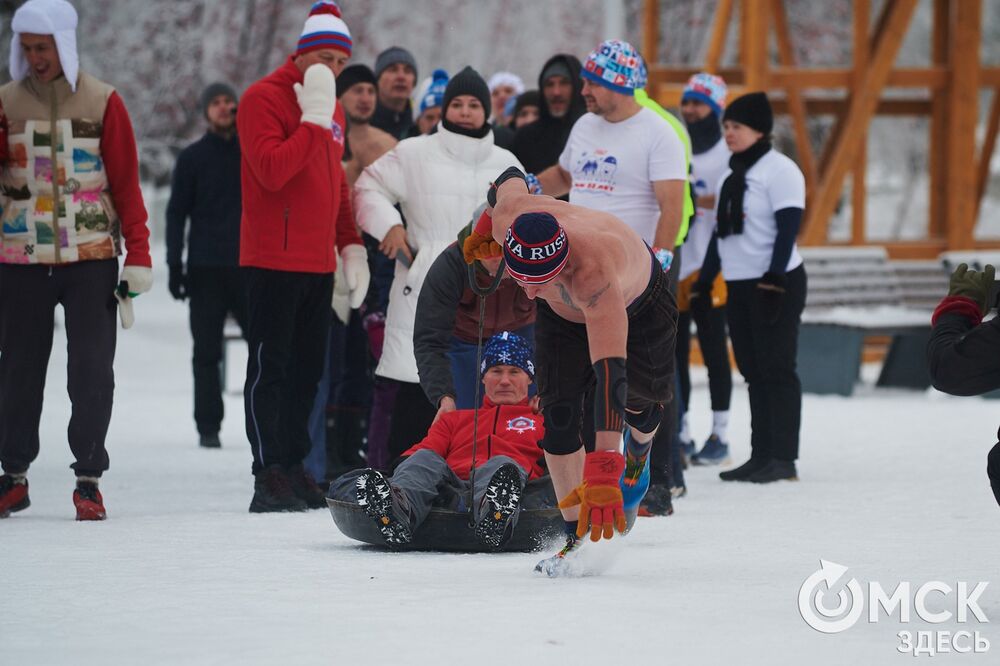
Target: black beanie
x,y
752,110
527,98
468,82
353,75
214,90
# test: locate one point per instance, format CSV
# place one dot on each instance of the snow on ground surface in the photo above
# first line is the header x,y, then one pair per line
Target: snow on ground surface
x,y
893,487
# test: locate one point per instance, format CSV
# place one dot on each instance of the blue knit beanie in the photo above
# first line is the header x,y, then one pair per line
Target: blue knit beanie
x,y
506,348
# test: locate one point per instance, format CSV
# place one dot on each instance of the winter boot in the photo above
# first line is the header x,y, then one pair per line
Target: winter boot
x,y
658,501
386,506
562,563
13,494
305,487
775,470
88,501
499,507
743,472
210,441
272,491
715,452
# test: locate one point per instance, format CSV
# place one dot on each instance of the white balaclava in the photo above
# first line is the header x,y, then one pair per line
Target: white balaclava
x,y
46,17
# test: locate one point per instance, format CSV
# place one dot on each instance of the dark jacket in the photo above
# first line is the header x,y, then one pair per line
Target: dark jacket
x,y
964,358
206,190
396,124
448,308
539,144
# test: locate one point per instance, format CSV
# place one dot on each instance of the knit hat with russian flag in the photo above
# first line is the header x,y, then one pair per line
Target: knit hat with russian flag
x,y
324,29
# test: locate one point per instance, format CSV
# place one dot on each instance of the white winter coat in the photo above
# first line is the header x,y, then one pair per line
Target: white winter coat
x,y
438,180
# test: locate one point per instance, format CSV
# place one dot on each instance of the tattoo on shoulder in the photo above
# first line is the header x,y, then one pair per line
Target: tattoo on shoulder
x,y
564,295
592,301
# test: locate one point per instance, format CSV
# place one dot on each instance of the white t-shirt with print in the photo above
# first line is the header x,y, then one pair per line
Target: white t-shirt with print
x,y
706,168
774,182
613,166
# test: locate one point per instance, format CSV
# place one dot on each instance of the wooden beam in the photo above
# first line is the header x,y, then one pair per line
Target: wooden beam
x,y
796,105
938,142
862,105
754,16
862,18
986,152
651,30
932,78
669,96
717,41
963,115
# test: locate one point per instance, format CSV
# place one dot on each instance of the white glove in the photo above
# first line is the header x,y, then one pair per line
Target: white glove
x,y
356,275
341,295
139,279
317,96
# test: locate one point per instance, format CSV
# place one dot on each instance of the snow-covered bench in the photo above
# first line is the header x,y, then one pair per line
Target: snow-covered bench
x,y
855,293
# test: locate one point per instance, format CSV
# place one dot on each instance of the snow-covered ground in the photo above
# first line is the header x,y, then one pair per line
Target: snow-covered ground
x,y
893,487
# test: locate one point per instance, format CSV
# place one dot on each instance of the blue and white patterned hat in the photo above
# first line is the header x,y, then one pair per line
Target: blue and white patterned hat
x,y
506,348
709,89
616,65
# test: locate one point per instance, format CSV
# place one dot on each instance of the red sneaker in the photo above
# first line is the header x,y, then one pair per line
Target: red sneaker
x,y
88,501
13,494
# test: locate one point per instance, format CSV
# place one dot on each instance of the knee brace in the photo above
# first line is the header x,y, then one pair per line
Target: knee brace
x,y
647,420
562,427
610,393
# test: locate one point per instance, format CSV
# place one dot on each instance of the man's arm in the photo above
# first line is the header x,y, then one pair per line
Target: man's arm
x,y
555,181
964,359
179,208
438,437
121,164
670,196
435,322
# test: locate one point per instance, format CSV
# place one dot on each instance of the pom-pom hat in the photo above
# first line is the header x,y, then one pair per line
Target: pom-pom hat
x,y
536,248
324,29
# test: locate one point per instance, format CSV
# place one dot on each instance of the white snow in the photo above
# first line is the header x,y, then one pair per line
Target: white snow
x,y
893,487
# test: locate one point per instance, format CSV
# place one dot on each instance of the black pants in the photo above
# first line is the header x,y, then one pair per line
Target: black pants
x,y
289,317
712,341
350,395
28,298
412,416
765,354
665,454
214,292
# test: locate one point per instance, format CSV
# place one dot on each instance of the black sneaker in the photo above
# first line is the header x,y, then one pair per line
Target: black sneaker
x,y
658,501
500,503
13,494
273,492
743,472
305,487
386,506
776,470
210,441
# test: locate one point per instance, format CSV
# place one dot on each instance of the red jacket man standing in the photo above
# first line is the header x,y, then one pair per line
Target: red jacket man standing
x,y
296,216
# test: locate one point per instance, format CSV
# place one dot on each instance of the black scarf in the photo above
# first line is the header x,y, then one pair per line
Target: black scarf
x,y
704,133
477,133
729,215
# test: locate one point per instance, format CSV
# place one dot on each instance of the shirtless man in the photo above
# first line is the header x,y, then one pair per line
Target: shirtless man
x,y
356,91
604,299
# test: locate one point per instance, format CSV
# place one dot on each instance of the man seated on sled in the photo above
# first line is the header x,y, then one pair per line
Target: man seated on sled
x,y
437,468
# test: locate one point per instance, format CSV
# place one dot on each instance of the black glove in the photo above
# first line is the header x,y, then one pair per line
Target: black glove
x,y
510,172
974,285
770,295
700,300
177,282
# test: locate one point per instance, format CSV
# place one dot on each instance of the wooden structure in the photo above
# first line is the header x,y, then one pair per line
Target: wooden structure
x,y
947,91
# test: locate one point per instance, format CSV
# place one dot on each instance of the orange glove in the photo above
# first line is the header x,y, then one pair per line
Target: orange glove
x,y
599,496
480,244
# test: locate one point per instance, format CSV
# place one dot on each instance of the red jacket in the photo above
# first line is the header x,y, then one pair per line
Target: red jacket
x,y
296,202
504,430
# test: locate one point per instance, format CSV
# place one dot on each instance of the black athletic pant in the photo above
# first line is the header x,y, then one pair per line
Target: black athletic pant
x,y
412,416
214,292
712,342
665,452
766,356
28,299
289,318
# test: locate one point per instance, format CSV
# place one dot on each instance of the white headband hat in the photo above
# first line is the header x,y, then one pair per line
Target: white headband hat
x,y
46,17
506,79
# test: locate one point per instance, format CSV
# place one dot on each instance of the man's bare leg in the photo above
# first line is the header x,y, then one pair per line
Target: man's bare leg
x,y
567,473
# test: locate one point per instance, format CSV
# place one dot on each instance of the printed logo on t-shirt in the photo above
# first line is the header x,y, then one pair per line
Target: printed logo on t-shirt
x,y
521,425
595,172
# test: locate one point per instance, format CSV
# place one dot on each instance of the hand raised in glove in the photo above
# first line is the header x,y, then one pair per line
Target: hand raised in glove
x,y
770,296
974,285
177,282
356,273
317,96
602,509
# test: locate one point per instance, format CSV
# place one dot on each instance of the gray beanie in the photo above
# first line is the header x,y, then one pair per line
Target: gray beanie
x,y
212,91
391,56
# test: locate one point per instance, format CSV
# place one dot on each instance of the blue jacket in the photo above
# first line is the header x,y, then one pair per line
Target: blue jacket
x,y
206,190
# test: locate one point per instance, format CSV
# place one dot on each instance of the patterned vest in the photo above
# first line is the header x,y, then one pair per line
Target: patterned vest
x,y
70,218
